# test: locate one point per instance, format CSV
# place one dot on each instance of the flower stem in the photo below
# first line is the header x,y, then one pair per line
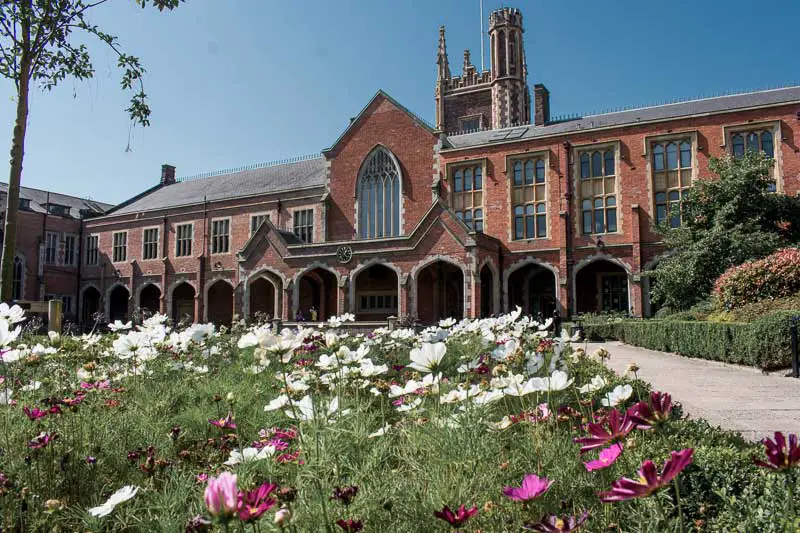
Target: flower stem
x,y
678,504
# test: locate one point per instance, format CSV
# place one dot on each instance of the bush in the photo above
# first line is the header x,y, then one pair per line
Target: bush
x,y
775,276
764,343
755,311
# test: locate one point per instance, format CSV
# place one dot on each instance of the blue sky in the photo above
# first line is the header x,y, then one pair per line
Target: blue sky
x,y
261,80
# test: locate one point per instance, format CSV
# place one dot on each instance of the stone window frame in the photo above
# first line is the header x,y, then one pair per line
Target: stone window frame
x,y
123,247
179,239
93,252
465,118
145,243
225,238
299,210
728,131
357,222
577,150
253,216
46,260
647,154
75,250
509,172
450,170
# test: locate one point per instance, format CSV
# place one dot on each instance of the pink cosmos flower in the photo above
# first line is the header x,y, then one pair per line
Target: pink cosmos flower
x,y
35,413
224,423
654,412
779,455
457,518
350,525
556,524
532,487
41,440
254,503
618,428
607,458
649,481
221,496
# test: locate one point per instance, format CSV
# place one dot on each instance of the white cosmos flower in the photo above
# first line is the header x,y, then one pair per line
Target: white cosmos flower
x,y
32,386
618,395
368,369
8,335
558,380
505,350
428,357
248,455
122,495
382,431
53,335
11,356
504,423
304,409
598,382
409,406
6,397
447,322
119,326
277,403
488,396
13,314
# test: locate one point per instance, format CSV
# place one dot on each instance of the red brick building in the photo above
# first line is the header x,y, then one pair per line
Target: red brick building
x,y
495,205
47,259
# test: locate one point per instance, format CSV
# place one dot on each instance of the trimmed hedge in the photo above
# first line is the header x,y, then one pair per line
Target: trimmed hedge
x,y
764,343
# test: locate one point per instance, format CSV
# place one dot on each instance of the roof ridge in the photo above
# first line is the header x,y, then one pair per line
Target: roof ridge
x,y
686,100
255,166
83,198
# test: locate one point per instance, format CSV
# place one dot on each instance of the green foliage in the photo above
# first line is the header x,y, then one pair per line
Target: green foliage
x,y
775,276
757,310
726,221
763,343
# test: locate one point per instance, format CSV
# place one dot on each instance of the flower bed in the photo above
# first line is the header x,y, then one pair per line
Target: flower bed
x,y
763,343
486,425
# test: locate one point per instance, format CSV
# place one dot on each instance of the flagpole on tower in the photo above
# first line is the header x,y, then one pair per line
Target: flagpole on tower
x,y
481,3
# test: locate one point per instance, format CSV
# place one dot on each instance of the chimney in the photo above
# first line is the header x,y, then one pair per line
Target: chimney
x,y
541,105
167,174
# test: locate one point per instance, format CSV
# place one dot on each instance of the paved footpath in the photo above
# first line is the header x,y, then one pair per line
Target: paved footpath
x,y
739,398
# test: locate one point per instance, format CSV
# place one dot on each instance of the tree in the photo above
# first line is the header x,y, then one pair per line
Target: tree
x,y
725,222
37,45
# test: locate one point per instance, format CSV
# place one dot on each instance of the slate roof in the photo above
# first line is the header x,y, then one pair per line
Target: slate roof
x,y
717,104
250,181
39,198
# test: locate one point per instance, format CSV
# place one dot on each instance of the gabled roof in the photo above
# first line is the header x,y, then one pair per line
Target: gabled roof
x,y
361,114
39,199
706,106
250,181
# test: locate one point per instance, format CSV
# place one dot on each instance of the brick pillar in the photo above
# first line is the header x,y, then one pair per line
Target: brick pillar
x,y
198,307
288,306
344,305
477,294
541,105
403,298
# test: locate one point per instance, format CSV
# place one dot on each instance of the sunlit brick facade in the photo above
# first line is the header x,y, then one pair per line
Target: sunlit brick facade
x,y
493,206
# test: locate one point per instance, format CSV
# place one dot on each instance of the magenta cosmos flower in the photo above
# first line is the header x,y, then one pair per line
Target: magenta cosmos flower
x,y
457,518
649,480
532,487
556,524
254,503
221,495
653,412
618,427
224,423
350,525
607,458
779,455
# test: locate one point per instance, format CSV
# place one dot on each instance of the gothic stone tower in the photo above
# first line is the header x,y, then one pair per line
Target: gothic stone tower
x,y
511,102
496,98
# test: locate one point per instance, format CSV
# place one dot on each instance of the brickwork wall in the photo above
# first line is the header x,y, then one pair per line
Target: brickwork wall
x,y
477,102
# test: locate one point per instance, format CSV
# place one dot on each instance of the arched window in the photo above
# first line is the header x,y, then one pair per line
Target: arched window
x,y
18,279
529,199
598,191
379,190
672,178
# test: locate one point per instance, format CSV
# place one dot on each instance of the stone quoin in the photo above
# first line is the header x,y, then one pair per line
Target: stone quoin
x,y
495,205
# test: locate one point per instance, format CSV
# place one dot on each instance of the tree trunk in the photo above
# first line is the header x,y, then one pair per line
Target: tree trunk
x,y
15,176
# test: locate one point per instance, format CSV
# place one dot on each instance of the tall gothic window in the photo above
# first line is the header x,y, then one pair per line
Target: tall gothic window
x,y
754,141
467,195
528,194
379,196
598,191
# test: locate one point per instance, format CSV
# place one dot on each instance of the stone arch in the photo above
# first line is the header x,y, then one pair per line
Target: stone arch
x,y
353,296
180,306
430,260
139,301
522,263
86,309
214,290
495,292
590,260
276,280
357,219
297,278
114,309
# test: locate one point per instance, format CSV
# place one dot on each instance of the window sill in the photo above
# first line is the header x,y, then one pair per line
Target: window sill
x,y
531,239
